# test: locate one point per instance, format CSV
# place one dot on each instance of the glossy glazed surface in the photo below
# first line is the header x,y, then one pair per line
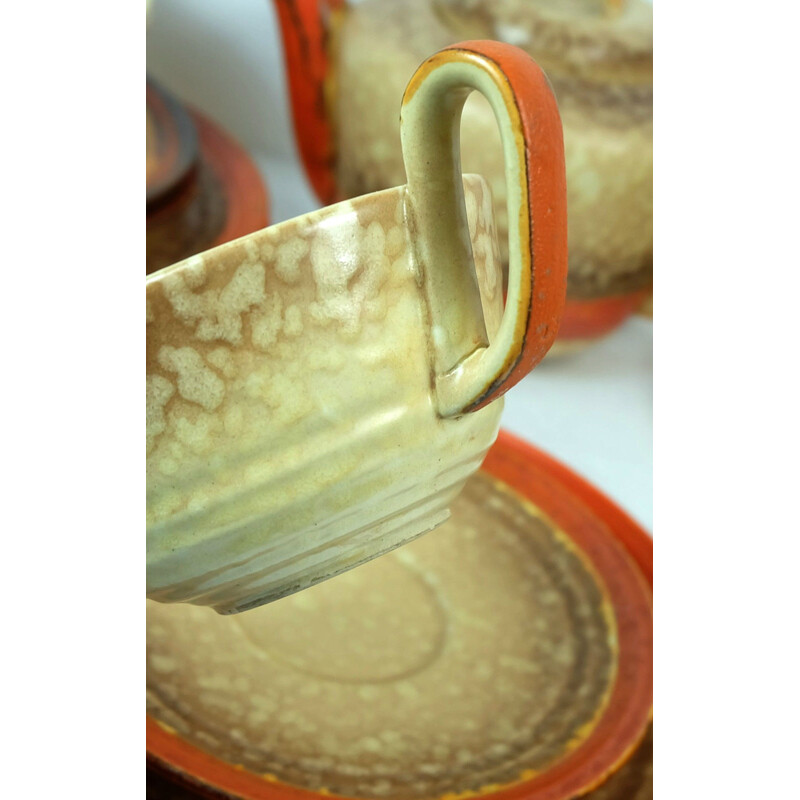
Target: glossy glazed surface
x,y
469,373
386,669
598,57
607,141
392,680
317,392
290,407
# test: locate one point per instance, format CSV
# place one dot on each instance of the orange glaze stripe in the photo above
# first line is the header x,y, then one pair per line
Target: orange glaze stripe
x,y
543,218
245,191
305,47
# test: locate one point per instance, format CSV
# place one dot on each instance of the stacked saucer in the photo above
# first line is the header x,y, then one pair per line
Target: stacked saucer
x,y
507,653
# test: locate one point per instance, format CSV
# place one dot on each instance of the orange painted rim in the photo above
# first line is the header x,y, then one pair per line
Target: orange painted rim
x,y
589,319
622,554
245,190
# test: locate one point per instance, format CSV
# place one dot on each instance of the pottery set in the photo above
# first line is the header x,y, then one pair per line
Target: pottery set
x,y
327,389
319,391
347,61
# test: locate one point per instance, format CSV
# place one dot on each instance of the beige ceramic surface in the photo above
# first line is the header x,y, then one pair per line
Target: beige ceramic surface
x,y
471,657
599,61
292,427
318,391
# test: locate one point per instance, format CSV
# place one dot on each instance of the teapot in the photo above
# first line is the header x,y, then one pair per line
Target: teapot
x,y
346,60
319,391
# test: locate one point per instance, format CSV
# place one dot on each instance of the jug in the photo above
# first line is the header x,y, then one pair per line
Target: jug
x,y
345,60
318,391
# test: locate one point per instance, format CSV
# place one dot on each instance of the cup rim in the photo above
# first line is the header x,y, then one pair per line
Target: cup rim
x,y
312,217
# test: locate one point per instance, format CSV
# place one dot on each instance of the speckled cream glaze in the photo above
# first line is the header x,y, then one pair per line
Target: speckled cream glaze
x,y
606,113
292,429
395,680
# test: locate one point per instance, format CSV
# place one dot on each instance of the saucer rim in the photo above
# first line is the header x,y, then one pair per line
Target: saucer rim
x,y
560,493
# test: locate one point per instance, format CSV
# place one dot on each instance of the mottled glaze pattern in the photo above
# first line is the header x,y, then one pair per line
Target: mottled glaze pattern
x,y
292,428
605,45
606,113
318,392
395,680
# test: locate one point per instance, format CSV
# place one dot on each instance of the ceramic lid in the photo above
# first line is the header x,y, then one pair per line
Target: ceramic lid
x,y
508,652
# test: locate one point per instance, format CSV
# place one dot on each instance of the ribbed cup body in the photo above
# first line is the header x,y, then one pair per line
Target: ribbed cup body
x,y
292,423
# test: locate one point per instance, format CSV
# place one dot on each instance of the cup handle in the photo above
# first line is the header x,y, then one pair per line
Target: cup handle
x,y
470,371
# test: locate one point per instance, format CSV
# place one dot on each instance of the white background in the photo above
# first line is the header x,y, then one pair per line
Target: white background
x,y
592,410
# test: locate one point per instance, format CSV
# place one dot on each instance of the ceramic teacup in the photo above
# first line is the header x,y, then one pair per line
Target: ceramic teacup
x,y
319,391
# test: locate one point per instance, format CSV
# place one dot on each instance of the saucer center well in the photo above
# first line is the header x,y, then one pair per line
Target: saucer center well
x,y
379,622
